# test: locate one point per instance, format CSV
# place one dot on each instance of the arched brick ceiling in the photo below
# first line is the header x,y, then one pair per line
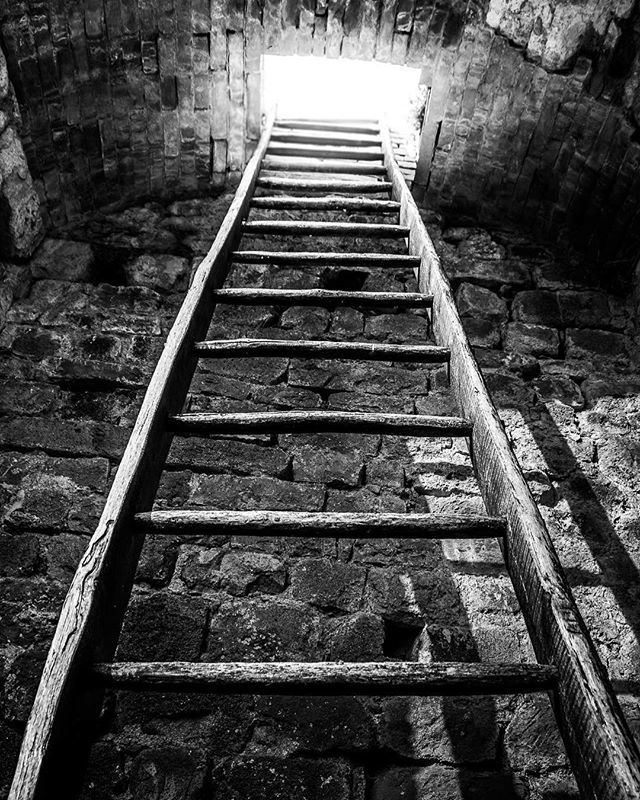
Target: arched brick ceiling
x,y
533,116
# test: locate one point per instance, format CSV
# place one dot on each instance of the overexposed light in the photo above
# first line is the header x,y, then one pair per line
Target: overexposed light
x,y
309,87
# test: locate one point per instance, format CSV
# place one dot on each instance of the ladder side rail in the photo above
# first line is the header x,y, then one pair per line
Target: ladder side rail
x,y
602,751
94,608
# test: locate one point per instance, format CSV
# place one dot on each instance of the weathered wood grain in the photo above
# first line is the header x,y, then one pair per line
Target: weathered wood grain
x,y
275,164
196,423
311,258
602,751
304,228
329,678
92,612
322,524
369,127
328,298
309,348
325,151
326,204
324,137
319,185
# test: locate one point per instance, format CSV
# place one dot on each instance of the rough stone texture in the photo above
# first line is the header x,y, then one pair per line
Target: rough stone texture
x,y
21,226
76,353
533,114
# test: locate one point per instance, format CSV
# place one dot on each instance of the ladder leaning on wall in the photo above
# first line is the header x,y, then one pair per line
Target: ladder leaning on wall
x,y
603,755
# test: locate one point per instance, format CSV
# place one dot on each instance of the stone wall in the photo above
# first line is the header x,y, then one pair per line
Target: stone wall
x,y
21,227
77,347
533,111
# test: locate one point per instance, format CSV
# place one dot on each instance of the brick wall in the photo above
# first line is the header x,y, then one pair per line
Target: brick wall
x,y
77,346
533,113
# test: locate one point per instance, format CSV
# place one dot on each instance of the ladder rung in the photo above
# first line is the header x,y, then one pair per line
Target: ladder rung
x,y
325,137
322,297
367,127
330,678
197,423
323,524
297,184
307,348
327,204
325,151
304,228
327,259
310,165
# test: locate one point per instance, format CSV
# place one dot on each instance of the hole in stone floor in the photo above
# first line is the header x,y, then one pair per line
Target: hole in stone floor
x,y
401,640
346,280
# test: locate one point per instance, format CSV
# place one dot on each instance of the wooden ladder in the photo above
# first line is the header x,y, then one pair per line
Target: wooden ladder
x,y
602,752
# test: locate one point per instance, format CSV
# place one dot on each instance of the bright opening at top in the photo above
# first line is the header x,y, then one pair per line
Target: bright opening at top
x,y
308,87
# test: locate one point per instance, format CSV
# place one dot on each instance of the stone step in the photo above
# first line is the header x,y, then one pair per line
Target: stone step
x,y
326,204
313,228
325,151
304,185
321,349
323,524
273,422
274,164
329,678
308,258
328,298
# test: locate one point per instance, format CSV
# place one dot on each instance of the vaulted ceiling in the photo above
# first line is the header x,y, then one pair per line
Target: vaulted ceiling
x,y
534,111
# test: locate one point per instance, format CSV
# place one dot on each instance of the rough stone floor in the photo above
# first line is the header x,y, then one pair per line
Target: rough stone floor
x,y
77,351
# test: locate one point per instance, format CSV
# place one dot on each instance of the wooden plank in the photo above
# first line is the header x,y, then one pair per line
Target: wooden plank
x,y
370,128
326,259
324,137
92,612
603,754
323,524
327,204
299,185
329,678
309,348
328,298
325,151
310,165
304,228
197,423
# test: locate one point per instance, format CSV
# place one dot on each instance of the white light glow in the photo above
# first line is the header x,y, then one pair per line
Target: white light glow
x,y
308,87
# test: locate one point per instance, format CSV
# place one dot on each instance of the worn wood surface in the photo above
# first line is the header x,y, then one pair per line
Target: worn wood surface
x,y
196,423
92,612
370,127
360,153
275,163
328,298
330,678
318,185
322,524
326,204
312,228
309,348
314,259
324,137
603,754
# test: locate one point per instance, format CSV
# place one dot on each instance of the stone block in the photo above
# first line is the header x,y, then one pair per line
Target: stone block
x,y
313,321
356,637
63,260
163,272
491,273
346,323
244,573
477,302
537,307
328,584
21,224
228,455
537,340
263,492
168,772
254,778
397,328
163,627
597,345
263,630
588,309
482,332
437,781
